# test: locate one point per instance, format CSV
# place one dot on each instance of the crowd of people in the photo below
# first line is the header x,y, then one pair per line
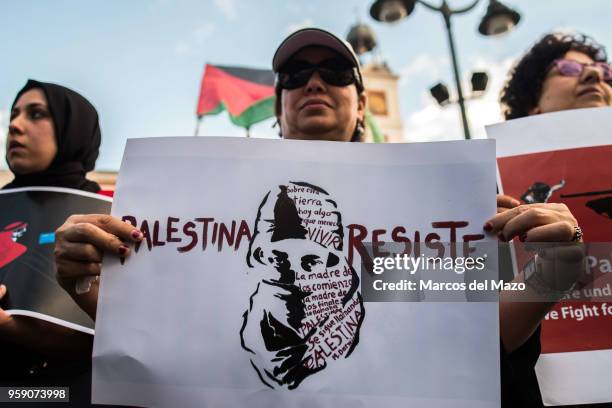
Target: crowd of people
x,y
54,136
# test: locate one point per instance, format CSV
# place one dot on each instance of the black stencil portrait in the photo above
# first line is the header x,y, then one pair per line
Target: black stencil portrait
x,y
306,311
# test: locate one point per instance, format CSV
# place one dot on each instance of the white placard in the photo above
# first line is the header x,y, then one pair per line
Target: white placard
x,y
196,328
565,157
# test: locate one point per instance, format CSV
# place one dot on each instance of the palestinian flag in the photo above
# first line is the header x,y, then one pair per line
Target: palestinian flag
x,y
247,94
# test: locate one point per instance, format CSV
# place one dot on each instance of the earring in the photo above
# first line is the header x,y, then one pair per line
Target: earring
x,y
280,131
360,128
358,132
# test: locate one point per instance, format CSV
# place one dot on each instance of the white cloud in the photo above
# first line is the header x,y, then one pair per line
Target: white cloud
x,y
422,64
296,26
228,8
432,122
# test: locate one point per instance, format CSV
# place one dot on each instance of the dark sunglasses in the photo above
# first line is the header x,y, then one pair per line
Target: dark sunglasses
x,y
567,67
333,72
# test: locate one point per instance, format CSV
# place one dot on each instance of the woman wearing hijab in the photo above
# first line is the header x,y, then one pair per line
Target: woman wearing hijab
x,y
53,140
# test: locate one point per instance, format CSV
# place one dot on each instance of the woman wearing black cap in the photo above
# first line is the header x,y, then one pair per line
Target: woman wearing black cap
x,y
315,96
53,140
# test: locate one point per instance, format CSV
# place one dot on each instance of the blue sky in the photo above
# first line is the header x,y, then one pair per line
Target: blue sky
x,y
140,62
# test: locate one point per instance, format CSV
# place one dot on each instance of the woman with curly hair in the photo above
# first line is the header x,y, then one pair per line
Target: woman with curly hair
x,y
560,72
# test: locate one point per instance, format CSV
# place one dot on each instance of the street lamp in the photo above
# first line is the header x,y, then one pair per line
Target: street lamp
x,y
440,93
391,11
497,20
479,81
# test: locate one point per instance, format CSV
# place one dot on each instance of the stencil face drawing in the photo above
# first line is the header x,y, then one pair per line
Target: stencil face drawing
x,y
305,311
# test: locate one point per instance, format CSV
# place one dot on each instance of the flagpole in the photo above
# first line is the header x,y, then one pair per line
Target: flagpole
x,y
197,128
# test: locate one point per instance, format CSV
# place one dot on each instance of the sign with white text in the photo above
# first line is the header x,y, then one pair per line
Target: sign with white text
x,y
564,157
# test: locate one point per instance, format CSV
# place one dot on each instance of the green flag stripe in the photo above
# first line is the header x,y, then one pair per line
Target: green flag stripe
x,y
259,111
255,113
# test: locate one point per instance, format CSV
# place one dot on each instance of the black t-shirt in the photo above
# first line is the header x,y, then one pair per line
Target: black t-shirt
x,y
519,384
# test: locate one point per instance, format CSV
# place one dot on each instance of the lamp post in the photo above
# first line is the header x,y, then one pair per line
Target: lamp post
x,y
498,20
479,82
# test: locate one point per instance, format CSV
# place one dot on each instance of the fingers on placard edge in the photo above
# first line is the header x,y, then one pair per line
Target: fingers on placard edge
x,y
124,230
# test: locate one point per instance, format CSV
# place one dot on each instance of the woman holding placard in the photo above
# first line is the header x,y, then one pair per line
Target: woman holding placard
x,y
320,96
53,140
560,72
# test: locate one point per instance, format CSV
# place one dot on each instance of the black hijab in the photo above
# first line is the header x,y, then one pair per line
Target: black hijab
x,y
77,134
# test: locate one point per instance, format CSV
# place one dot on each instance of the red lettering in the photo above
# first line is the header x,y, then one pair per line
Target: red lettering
x,y
417,243
214,234
396,237
377,243
156,241
188,229
242,231
129,218
356,243
170,230
429,243
452,225
146,236
226,234
205,222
